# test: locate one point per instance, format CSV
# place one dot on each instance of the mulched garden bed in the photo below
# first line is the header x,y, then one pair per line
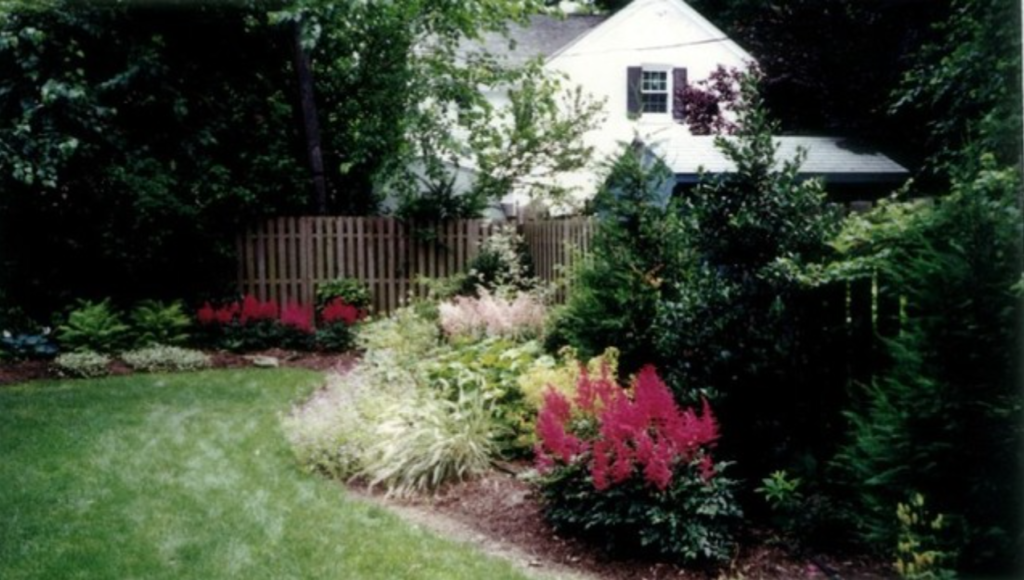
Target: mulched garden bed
x,y
503,515
22,371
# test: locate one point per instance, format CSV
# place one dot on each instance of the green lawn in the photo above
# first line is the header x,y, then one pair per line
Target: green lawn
x,y
189,476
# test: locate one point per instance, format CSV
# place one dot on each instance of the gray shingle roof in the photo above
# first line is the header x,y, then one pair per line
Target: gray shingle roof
x,y
836,159
543,36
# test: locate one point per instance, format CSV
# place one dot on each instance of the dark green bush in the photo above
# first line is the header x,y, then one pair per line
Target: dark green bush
x,y
350,290
335,337
690,521
639,253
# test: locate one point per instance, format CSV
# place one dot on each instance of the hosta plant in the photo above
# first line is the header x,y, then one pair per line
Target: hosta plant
x,y
27,345
630,470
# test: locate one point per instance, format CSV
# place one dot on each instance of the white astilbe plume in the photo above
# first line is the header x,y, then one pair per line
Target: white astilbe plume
x,y
490,315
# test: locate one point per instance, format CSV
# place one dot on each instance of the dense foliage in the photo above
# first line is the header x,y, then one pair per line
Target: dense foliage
x,y
639,250
147,134
943,419
144,148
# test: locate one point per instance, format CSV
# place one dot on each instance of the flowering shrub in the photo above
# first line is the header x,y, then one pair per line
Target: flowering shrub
x,y
297,316
633,470
490,315
562,375
256,325
336,320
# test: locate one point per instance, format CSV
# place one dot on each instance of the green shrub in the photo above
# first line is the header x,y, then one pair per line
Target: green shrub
x,y
162,358
335,337
425,443
493,367
404,333
734,331
690,521
93,326
639,251
82,364
351,291
504,264
156,322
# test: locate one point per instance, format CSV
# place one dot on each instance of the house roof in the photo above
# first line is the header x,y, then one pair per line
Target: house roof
x,y
543,36
835,159
699,33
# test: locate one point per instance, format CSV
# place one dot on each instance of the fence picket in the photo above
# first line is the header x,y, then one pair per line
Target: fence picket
x,y
285,259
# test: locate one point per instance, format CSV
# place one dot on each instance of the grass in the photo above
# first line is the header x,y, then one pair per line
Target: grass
x,y
189,476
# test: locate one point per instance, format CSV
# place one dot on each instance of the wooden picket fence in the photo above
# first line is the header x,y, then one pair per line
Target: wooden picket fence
x,y
284,259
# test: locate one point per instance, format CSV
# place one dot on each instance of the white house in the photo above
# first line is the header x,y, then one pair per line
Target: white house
x,y
635,60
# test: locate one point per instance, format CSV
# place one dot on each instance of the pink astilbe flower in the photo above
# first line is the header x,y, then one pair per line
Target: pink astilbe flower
x,y
555,442
644,434
297,316
491,315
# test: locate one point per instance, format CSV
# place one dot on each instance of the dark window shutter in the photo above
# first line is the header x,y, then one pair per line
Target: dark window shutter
x,y
633,90
678,94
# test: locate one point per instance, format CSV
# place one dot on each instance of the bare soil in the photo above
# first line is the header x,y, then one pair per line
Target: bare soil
x,y
12,372
501,514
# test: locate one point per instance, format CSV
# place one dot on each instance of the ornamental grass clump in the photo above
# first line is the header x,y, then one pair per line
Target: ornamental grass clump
x,y
632,471
490,315
424,444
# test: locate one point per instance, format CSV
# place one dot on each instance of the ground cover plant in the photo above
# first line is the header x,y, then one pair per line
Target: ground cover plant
x,y
188,476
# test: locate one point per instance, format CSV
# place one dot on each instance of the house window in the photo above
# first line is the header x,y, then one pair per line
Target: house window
x,y
654,91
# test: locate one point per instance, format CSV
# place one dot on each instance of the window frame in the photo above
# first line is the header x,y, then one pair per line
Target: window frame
x,y
666,71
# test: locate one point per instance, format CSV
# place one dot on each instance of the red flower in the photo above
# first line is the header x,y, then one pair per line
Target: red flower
x,y
206,314
298,316
338,311
554,441
225,314
253,310
644,434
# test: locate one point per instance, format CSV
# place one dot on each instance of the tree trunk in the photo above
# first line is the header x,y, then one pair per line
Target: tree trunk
x,y
310,122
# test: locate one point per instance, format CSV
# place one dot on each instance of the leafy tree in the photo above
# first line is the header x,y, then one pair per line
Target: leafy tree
x,y
966,85
521,146
944,419
129,158
830,65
